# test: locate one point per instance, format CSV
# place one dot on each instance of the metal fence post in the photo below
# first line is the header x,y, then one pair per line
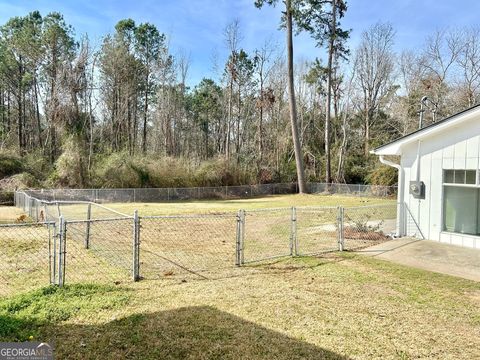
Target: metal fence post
x,y
239,242
293,233
136,247
37,213
242,239
341,232
61,251
87,231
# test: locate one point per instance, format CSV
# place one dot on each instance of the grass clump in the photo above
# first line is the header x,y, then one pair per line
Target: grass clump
x,y
23,316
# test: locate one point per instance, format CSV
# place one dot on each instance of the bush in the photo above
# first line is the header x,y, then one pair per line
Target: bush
x,y
70,167
169,172
19,181
10,165
6,197
38,165
383,175
115,171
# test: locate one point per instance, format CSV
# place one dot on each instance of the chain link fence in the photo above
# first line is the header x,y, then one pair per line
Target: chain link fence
x,y
197,246
26,256
353,189
98,250
265,234
317,230
90,243
203,193
40,210
364,226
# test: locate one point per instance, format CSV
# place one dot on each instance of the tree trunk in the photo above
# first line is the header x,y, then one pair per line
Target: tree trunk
x,y
145,113
367,131
237,140
9,113
20,109
260,124
135,126
37,113
229,120
340,173
331,49
293,108
20,124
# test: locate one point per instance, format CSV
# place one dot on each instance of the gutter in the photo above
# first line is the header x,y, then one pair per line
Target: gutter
x,y
389,163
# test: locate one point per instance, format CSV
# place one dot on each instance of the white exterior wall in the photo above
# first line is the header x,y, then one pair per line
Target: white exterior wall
x,y
459,148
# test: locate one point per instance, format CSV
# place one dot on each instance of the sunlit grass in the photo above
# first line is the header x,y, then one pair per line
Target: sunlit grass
x,y
275,201
341,306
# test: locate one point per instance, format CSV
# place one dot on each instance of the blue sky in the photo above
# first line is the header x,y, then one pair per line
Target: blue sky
x,y
196,26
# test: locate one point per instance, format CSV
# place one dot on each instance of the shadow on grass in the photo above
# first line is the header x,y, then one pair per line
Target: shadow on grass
x,y
66,316
201,332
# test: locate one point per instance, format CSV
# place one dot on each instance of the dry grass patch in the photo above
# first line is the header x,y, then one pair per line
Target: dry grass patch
x,y
337,307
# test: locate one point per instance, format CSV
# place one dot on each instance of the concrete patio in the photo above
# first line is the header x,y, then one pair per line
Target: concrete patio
x,y
429,255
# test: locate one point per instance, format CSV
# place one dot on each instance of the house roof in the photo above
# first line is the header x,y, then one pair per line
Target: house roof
x,y
394,147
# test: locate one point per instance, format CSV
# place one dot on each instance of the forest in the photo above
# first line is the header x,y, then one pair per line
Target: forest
x,y
122,113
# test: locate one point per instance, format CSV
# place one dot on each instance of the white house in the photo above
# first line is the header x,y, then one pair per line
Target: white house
x,y
439,180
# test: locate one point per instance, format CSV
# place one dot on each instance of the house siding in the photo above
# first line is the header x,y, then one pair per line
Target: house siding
x,y
457,149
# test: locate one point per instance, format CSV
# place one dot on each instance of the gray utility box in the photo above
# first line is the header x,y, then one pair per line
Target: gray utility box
x,y
417,189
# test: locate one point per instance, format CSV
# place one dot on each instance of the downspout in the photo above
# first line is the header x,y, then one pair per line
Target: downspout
x,y
401,189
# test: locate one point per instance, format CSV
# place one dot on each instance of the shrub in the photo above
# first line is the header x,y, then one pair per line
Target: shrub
x,y
383,175
70,166
19,181
10,165
38,165
115,171
169,172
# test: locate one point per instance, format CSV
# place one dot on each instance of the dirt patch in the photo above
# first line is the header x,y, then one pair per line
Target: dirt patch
x,y
355,234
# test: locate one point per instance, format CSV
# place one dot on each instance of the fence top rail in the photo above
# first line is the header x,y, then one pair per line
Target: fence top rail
x,y
206,187
99,220
27,224
276,209
75,202
317,207
227,215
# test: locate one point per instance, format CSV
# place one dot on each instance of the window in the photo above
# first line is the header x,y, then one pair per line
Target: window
x,y
460,177
461,201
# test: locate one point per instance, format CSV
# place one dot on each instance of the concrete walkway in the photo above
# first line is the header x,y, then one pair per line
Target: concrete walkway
x,y
430,255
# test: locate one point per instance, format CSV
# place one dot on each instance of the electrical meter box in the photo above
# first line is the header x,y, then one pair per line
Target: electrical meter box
x,y
417,189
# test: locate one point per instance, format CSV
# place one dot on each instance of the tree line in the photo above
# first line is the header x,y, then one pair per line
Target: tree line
x,y
75,114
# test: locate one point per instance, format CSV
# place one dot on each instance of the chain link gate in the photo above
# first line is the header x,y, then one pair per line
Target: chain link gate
x,y
102,248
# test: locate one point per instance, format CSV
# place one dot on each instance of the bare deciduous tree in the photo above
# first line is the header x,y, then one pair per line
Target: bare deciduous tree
x,y
374,64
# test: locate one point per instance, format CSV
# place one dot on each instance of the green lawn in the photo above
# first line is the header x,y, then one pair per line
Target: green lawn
x,y
8,214
338,306
275,201
343,306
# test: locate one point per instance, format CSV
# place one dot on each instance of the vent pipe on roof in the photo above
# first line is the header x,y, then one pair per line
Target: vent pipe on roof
x,y
423,105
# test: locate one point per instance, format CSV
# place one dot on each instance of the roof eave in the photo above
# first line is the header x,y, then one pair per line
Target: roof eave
x,y
395,147
387,150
